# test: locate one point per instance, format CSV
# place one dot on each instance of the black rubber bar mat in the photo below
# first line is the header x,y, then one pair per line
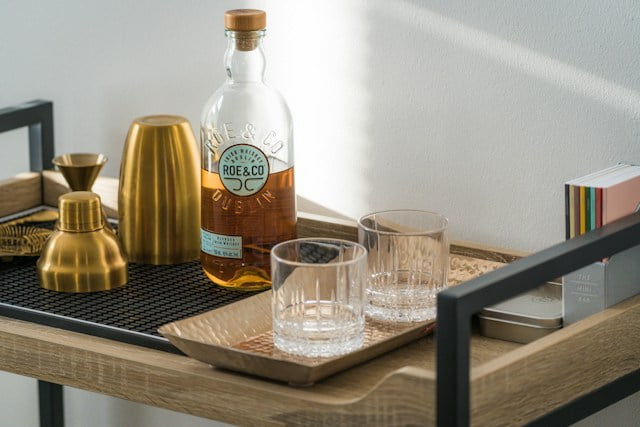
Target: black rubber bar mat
x,y
154,295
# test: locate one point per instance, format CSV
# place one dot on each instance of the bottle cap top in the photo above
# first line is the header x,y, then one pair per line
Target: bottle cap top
x,y
245,20
80,211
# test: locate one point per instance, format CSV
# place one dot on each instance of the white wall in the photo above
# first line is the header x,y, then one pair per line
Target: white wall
x,y
479,110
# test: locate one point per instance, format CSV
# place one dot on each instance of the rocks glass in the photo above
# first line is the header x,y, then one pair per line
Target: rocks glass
x,y
408,263
318,296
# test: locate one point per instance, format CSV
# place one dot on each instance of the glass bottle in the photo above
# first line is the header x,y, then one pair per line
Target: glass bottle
x,y
248,195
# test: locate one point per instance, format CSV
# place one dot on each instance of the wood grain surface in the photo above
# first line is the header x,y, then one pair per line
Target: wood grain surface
x,y
534,379
317,225
511,383
394,389
20,193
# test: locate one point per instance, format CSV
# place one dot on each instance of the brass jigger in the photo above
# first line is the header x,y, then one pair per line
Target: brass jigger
x,y
80,255
80,170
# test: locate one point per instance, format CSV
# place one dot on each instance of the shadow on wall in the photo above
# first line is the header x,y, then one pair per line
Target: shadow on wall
x,y
512,55
482,128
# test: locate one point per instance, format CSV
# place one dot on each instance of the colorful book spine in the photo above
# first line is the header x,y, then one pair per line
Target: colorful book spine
x,y
583,211
587,209
596,199
571,226
592,209
576,210
598,207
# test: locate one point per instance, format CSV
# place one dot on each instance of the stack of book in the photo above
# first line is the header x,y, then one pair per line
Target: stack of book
x,y
591,202
599,198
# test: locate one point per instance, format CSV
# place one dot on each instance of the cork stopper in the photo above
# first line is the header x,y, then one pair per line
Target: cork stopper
x,y
80,211
245,20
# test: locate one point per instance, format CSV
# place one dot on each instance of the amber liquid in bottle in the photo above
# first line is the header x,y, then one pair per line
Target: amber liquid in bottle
x,y
248,196
262,220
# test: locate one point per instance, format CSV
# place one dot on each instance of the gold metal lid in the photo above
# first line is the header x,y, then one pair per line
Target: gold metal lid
x,y
245,20
540,308
80,211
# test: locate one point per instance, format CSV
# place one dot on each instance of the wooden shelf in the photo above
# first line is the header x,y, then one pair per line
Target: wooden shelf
x,y
510,383
398,386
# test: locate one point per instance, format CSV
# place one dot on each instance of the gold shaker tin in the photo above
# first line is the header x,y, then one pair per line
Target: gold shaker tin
x,y
159,193
525,318
81,255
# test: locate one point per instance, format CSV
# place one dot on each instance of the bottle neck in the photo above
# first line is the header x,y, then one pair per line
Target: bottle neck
x,y
244,59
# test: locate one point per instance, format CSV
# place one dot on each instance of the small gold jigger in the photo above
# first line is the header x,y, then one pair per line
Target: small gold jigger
x,y
80,255
159,192
80,170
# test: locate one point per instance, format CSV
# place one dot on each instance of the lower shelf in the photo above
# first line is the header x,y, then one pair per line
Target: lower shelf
x,y
511,384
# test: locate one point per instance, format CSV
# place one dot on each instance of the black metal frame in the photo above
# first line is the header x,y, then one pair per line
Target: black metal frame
x,y
38,116
457,305
51,404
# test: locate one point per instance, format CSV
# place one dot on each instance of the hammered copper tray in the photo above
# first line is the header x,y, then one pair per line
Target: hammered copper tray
x,y
239,337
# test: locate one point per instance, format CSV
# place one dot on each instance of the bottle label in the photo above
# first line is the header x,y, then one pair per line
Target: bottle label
x,y
221,245
243,169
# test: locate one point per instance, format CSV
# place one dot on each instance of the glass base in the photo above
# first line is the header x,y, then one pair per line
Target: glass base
x,y
308,330
403,305
322,348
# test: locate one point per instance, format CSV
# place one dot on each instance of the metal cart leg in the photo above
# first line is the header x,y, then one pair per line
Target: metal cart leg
x,y
50,402
38,116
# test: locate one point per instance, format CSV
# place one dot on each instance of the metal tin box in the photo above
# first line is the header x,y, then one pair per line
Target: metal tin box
x,y
600,285
525,318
